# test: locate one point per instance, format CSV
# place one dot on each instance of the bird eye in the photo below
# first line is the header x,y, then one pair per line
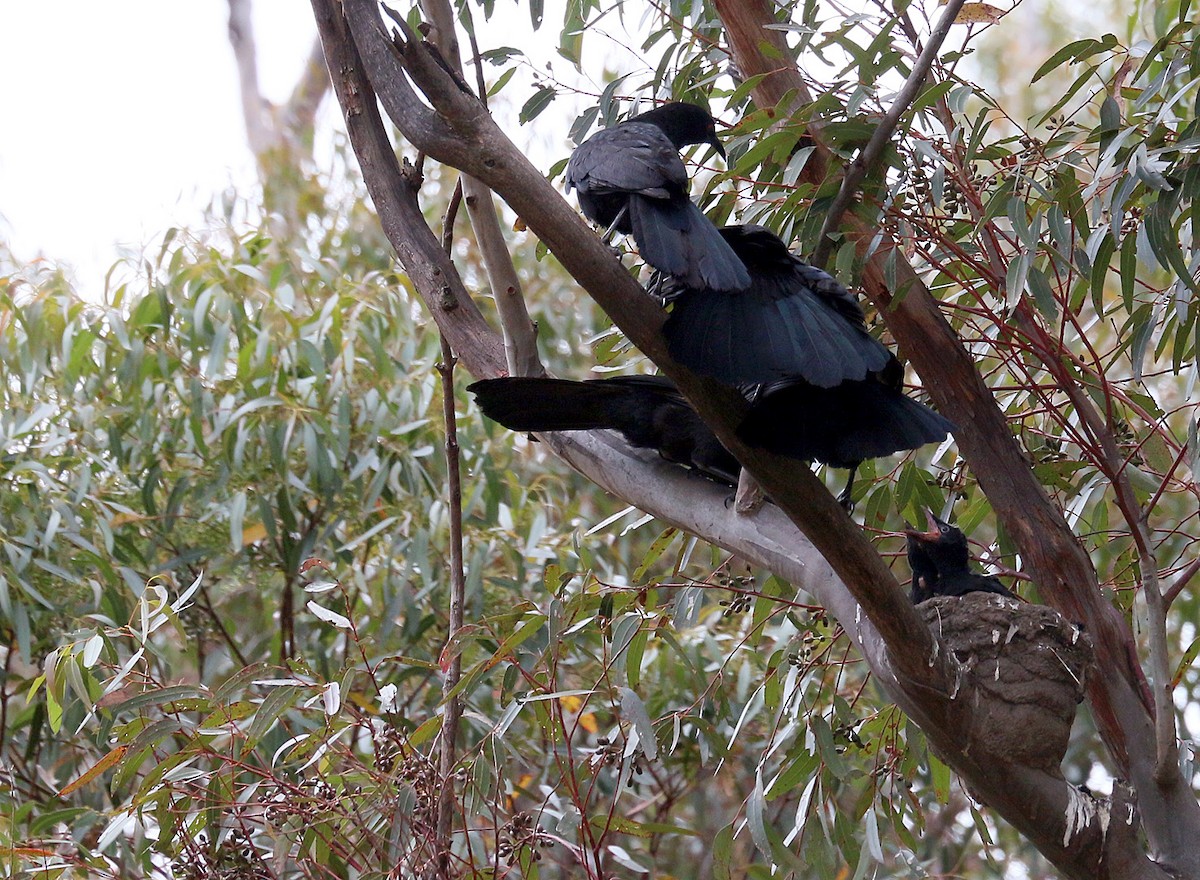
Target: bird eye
x,y
945,530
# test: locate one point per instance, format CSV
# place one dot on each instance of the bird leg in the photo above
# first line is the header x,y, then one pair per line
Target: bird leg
x,y
844,497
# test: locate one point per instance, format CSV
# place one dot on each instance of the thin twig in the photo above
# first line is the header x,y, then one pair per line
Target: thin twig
x,y
867,159
452,711
11,649
220,624
477,59
1181,582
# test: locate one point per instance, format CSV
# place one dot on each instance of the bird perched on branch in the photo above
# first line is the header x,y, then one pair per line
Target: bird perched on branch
x,y
647,411
838,426
842,426
630,178
795,342
793,321
941,565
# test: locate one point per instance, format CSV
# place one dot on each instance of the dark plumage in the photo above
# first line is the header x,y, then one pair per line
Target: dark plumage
x,y
943,550
631,178
924,572
844,425
647,411
796,420
796,341
794,321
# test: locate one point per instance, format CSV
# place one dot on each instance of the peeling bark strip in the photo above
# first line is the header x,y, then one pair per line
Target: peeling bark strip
x,y
1081,838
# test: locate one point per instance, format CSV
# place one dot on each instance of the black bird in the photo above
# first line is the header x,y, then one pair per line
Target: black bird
x,y
651,414
924,572
841,426
631,178
944,548
794,321
647,411
796,343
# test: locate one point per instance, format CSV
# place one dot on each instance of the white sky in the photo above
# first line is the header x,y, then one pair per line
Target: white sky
x,y
121,119
118,119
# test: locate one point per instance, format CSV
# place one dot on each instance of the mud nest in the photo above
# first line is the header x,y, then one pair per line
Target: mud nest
x,y
1023,666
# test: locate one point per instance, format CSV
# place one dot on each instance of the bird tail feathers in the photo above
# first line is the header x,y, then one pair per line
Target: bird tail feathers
x,y
542,404
675,237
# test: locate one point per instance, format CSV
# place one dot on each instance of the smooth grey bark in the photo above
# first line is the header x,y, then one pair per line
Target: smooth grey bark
x,y
270,128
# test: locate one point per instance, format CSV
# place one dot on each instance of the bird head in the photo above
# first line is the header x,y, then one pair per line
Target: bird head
x,y
944,544
684,124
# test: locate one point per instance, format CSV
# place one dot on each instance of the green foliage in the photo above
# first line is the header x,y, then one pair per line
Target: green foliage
x,y
226,533
1053,214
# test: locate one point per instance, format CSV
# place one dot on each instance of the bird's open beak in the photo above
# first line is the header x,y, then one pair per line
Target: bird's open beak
x,y
934,533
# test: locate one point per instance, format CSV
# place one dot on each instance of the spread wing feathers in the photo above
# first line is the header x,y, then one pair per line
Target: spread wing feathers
x,y
771,331
792,321
830,290
675,237
839,426
646,410
636,157
771,260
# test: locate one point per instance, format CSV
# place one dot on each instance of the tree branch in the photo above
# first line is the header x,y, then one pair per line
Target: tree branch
x,y
520,335
255,108
1181,581
270,128
868,157
452,703
300,111
1113,466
